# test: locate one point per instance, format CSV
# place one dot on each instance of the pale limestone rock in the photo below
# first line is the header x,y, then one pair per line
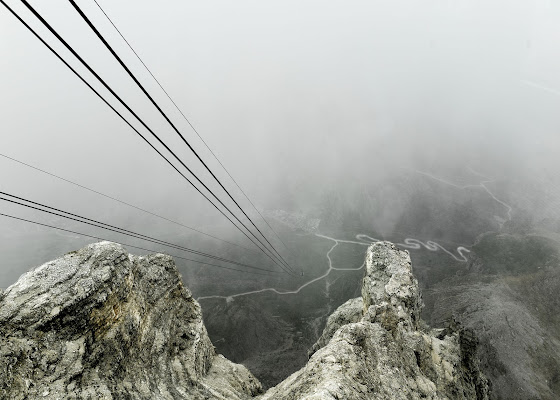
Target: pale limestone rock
x,y
102,324
349,312
385,355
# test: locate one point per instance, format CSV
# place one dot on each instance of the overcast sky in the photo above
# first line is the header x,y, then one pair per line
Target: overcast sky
x,y
293,96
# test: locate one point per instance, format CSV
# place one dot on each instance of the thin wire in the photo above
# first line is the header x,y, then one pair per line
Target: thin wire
x,y
124,202
124,119
116,56
116,112
53,31
127,245
189,122
124,231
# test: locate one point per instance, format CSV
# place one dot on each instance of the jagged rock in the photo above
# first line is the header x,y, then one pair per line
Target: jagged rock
x,y
102,324
386,355
389,289
349,312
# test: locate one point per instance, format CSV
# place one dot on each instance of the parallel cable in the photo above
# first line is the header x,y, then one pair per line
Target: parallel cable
x,y
124,244
126,121
137,236
116,56
126,232
189,122
123,202
53,31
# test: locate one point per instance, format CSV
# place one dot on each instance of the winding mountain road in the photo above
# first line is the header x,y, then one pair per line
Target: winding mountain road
x,y
362,240
365,240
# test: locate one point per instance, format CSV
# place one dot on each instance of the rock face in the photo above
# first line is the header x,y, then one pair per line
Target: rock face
x,y
388,353
102,324
349,312
517,351
508,294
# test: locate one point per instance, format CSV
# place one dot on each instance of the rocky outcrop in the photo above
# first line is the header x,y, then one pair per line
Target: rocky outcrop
x,y
389,353
102,324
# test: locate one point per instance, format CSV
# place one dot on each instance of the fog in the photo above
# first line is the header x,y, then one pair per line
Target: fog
x,y
297,99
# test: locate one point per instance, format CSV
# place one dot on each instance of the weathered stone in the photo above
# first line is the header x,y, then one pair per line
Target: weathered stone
x,y
349,312
389,289
386,355
102,324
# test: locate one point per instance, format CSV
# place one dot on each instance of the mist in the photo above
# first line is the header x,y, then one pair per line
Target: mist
x,y
299,100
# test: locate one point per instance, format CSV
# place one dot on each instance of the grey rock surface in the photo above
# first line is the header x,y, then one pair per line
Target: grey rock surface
x,y
516,351
102,324
389,353
509,295
349,312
